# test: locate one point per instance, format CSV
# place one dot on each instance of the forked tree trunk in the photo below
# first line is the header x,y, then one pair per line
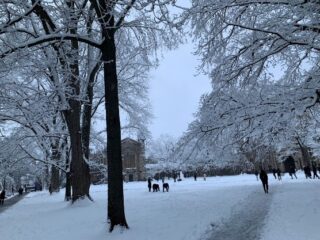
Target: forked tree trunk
x,y
80,177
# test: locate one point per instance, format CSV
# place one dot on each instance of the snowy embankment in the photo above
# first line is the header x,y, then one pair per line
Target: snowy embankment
x,y
294,212
190,211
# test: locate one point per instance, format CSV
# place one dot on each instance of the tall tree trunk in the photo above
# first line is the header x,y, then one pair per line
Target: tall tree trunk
x,y
55,173
116,214
86,117
80,177
68,170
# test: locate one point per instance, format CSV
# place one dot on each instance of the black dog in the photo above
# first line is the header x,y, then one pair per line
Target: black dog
x,y
165,186
155,187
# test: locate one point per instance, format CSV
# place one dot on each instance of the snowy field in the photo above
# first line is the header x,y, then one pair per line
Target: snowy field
x,y
192,210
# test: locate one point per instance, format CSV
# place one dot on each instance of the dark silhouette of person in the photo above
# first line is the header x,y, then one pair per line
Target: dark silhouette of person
x,y
279,174
20,190
307,172
174,176
2,196
292,172
149,184
264,180
274,172
195,176
314,170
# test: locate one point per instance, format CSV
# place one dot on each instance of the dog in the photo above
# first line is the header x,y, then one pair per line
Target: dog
x,y
165,186
155,187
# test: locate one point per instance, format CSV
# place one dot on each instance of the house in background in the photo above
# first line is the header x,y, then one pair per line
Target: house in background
x,y
133,160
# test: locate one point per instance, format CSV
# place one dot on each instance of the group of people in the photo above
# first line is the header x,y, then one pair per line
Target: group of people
x,y
276,173
307,171
292,172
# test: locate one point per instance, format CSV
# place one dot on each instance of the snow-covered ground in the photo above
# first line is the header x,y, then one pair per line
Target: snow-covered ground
x,y
192,210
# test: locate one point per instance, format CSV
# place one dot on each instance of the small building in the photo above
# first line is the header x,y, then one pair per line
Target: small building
x,y
133,160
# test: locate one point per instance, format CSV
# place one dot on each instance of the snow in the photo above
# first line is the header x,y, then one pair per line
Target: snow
x,y
294,212
190,211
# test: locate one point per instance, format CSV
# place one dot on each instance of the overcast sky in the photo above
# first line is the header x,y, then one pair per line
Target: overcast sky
x,y
175,92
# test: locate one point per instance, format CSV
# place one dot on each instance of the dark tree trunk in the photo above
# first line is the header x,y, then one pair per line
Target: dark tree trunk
x,y
80,174
55,180
55,173
68,177
80,177
116,213
86,118
304,153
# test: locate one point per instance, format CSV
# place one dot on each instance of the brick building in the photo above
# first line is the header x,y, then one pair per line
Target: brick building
x,y
133,160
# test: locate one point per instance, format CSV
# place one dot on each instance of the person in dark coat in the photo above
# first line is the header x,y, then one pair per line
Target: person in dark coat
x,y
292,172
174,176
50,189
20,190
279,174
314,170
307,172
2,196
149,184
195,176
264,180
274,172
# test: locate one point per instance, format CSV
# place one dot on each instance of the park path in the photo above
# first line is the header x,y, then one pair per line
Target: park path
x,y
11,201
247,221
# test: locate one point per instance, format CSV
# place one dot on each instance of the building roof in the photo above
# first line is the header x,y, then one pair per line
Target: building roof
x,y
130,140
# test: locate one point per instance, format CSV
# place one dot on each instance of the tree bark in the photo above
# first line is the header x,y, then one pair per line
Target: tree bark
x,y
55,173
68,177
80,177
304,153
116,214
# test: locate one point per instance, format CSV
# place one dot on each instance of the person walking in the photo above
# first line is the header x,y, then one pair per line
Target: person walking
x,y
174,176
279,174
195,176
274,172
149,184
2,196
264,180
292,172
314,170
307,172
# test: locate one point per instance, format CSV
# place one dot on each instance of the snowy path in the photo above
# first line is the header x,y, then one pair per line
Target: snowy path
x,y
228,208
248,219
11,201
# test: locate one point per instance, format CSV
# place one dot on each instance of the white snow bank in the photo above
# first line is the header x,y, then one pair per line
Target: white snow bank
x,y
294,212
185,213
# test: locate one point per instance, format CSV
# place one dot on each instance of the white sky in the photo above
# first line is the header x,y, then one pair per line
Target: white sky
x,y
175,92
